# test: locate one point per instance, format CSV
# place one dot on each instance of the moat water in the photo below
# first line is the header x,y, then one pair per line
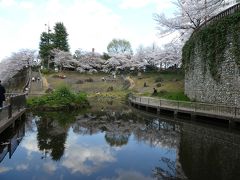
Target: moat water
x,y
117,143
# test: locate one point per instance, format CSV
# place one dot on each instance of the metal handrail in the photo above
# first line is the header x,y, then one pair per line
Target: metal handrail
x,y
216,109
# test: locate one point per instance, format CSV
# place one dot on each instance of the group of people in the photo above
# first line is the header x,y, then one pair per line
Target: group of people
x,y
35,79
2,94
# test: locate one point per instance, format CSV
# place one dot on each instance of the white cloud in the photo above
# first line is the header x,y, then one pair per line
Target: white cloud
x,y
86,159
14,3
4,169
26,5
7,3
22,167
125,4
30,144
164,6
49,167
133,175
160,5
90,23
93,25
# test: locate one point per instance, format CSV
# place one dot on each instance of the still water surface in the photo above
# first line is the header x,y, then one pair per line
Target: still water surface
x,y
116,144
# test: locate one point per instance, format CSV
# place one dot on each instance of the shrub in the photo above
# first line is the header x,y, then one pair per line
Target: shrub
x,y
159,79
89,80
46,71
109,89
79,81
61,97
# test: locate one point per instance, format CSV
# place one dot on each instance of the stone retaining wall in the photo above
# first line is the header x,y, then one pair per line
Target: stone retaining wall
x,y
200,85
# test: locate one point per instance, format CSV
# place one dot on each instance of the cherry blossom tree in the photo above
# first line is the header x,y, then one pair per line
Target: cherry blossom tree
x,y
16,62
155,57
116,62
190,15
171,54
88,61
63,59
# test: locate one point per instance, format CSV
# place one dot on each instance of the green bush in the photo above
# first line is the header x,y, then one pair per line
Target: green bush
x,y
159,79
159,84
61,97
46,71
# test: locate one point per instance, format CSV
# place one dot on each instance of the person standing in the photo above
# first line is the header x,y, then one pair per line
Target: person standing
x,y
2,94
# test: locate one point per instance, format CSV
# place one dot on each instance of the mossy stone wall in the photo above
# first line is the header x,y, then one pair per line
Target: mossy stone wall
x,y
211,59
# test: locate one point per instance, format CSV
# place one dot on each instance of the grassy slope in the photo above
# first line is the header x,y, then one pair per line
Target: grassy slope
x,y
170,82
172,85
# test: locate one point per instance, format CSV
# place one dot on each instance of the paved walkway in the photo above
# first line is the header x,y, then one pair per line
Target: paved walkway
x,y
38,84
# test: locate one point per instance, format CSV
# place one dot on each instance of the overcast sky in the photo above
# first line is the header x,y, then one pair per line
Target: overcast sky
x,y
90,23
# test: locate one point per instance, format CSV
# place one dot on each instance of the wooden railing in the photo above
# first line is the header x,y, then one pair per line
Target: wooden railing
x,y
222,14
195,107
14,103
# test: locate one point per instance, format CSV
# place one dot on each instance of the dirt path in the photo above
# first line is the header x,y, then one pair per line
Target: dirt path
x,y
132,83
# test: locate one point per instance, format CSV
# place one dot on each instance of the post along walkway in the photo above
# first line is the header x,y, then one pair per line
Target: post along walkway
x,y
230,113
15,108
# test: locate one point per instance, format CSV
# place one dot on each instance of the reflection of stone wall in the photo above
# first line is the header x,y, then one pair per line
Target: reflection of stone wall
x,y
209,154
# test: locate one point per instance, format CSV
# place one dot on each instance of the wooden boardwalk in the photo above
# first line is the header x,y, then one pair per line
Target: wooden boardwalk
x,y
230,113
15,108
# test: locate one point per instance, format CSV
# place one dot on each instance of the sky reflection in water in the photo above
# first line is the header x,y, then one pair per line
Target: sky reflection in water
x,y
117,144
101,145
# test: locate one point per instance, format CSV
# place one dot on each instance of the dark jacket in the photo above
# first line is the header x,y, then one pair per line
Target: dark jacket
x,y
2,93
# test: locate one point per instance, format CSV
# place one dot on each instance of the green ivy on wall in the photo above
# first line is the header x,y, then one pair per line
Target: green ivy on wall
x,y
212,41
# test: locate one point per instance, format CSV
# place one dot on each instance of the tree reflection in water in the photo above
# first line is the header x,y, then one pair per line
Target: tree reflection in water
x,y
114,139
52,132
118,129
199,154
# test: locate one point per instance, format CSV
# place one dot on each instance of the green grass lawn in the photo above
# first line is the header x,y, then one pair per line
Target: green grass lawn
x,y
169,85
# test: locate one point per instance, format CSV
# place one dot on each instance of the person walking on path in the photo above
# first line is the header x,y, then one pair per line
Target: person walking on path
x,y
2,94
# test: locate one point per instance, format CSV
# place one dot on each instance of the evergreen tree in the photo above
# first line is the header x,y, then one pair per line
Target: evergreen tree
x,y
50,41
45,46
60,40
